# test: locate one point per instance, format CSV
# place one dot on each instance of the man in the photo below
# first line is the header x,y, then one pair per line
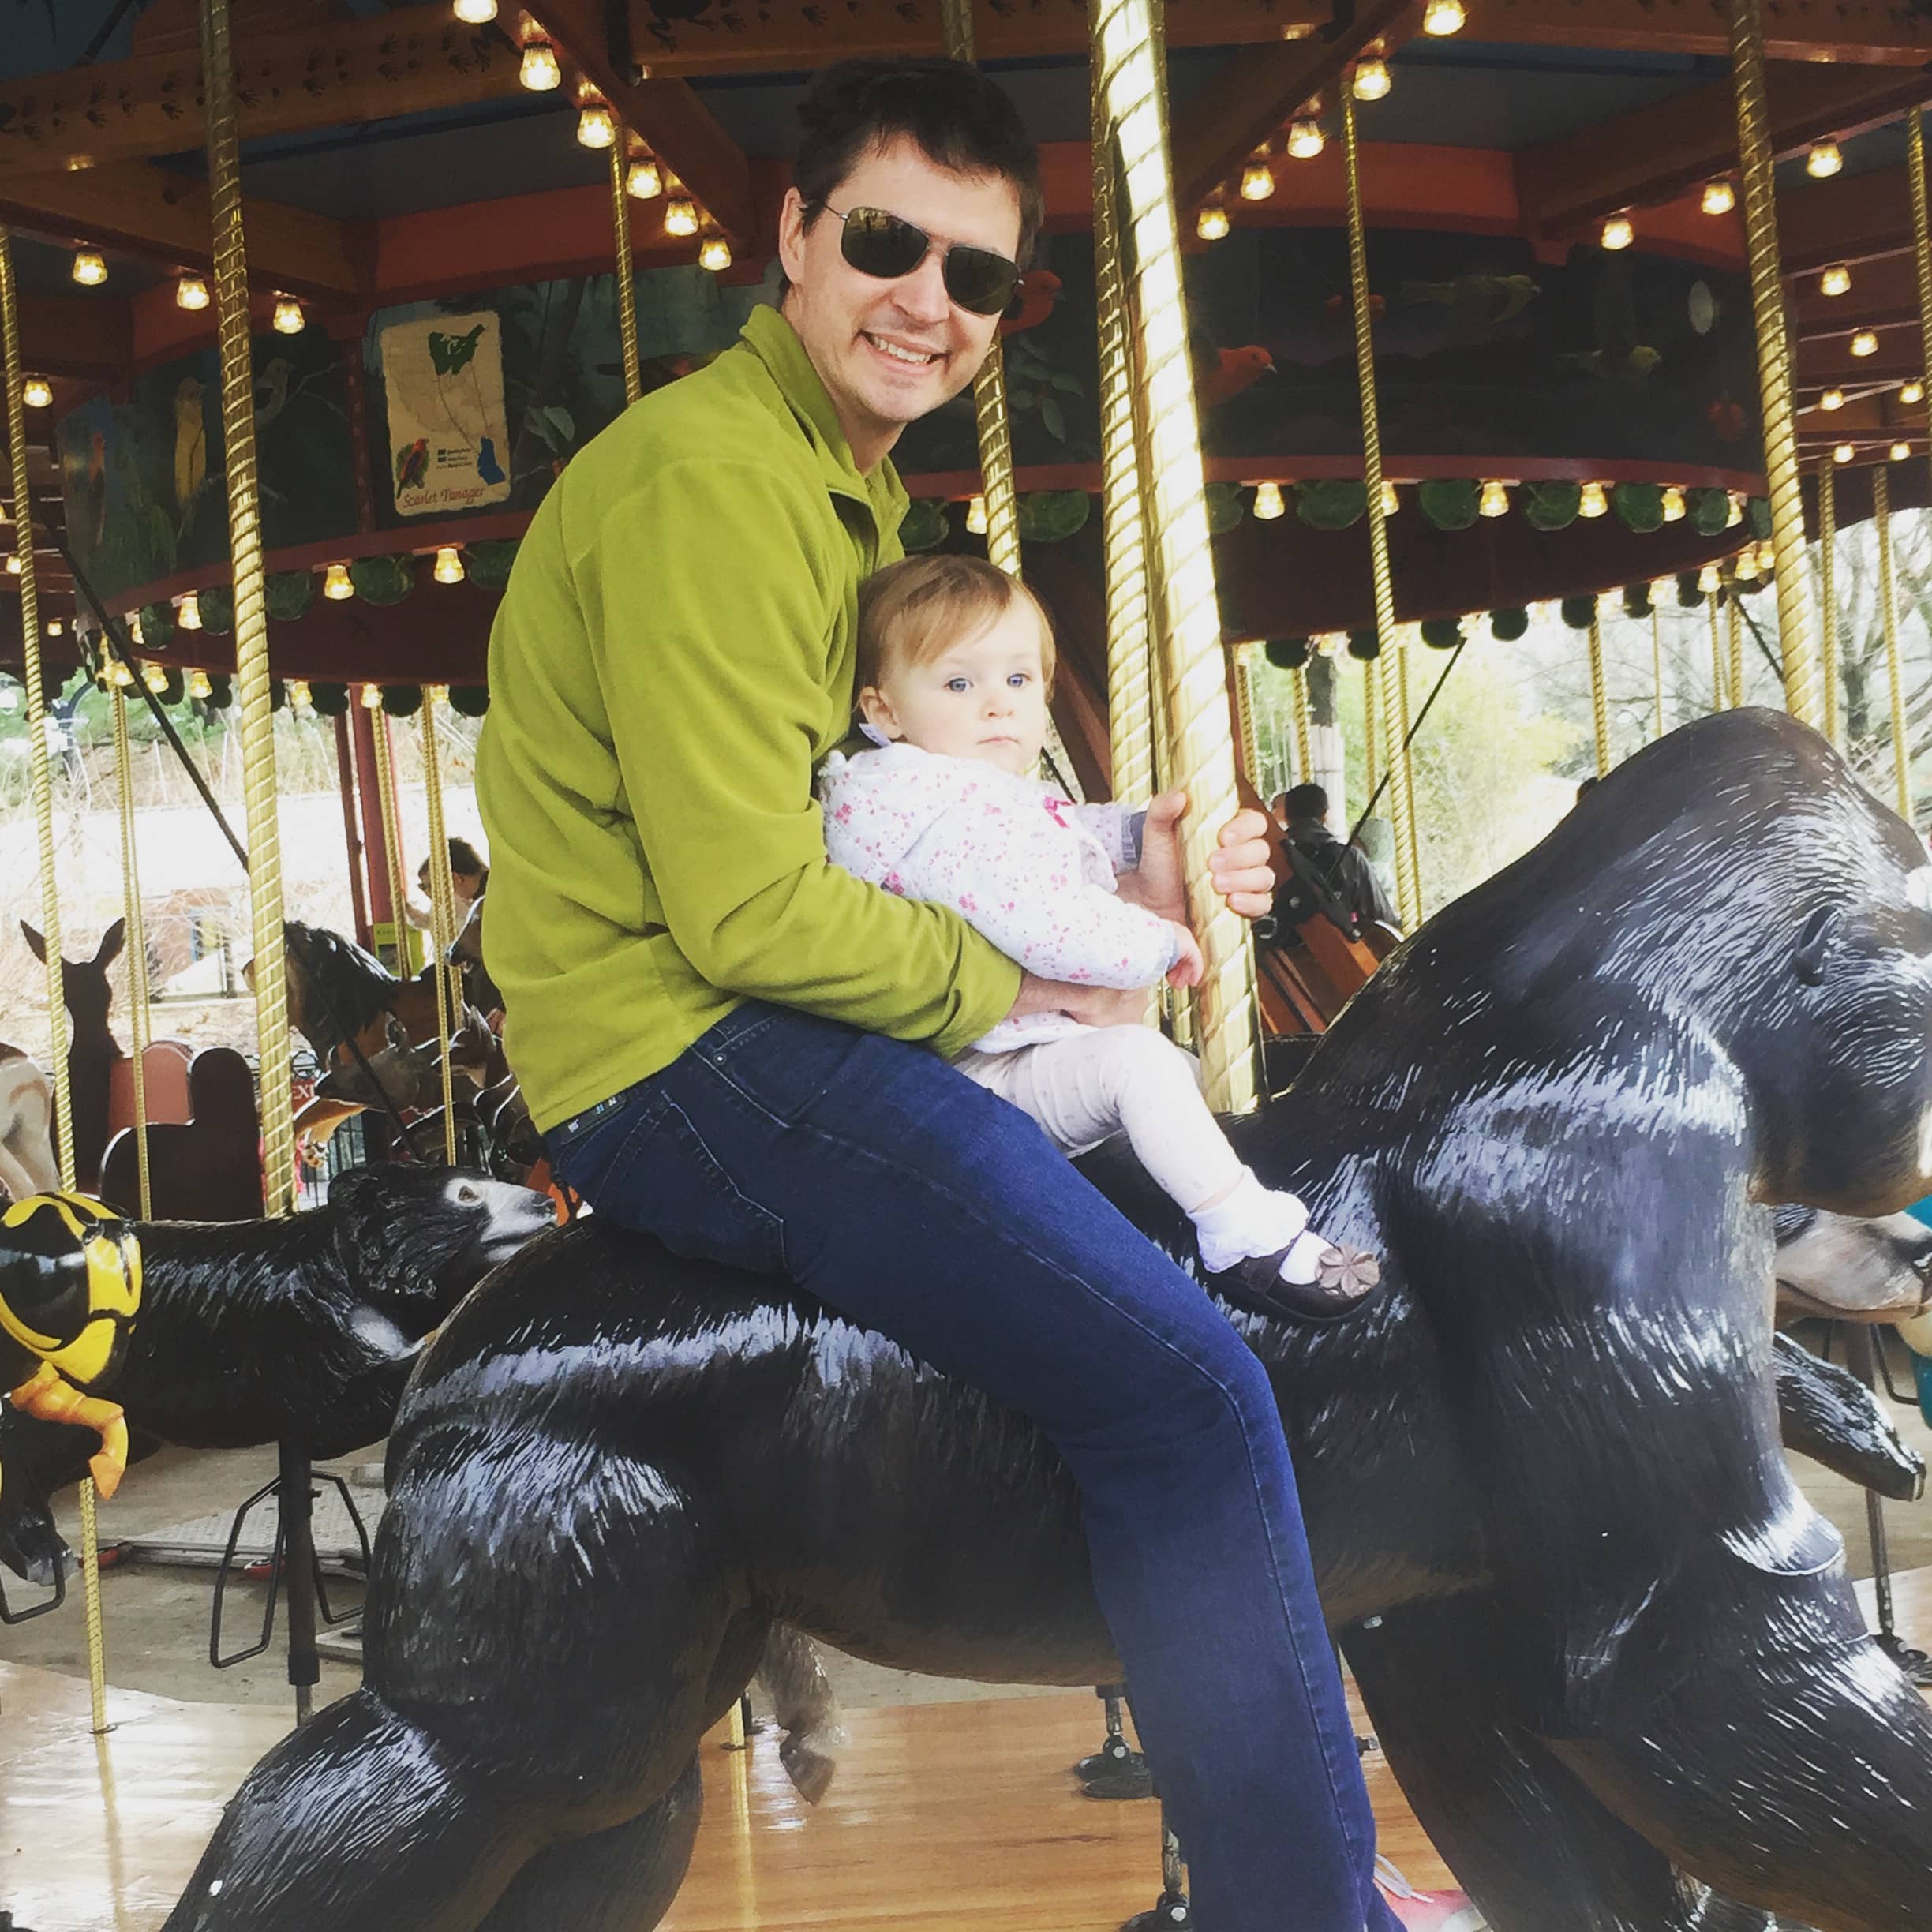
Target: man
x,y
1303,814
733,1045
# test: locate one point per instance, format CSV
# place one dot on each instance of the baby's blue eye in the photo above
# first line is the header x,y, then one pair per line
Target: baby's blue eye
x,y
1020,680
957,684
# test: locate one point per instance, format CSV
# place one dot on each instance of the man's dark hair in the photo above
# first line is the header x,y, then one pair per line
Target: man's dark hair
x,y
1306,801
955,117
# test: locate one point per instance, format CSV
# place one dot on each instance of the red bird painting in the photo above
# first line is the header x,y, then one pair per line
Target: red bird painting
x,y
1039,290
1223,374
411,465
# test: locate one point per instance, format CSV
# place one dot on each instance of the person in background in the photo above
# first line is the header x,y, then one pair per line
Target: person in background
x,y
468,874
1303,814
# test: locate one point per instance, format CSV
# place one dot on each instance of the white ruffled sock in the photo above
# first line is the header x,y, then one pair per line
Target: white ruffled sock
x,y
1254,1220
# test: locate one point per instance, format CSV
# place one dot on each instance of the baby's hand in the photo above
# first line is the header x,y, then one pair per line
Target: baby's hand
x,y
1189,969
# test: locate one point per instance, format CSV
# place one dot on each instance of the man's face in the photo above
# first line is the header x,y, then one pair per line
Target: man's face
x,y
889,352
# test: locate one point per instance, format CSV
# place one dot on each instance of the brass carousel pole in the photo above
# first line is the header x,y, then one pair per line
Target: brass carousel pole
x,y
1304,728
1802,694
1244,713
626,278
442,911
1828,590
137,950
41,763
1734,635
1126,35
1401,804
994,423
258,763
1717,663
1922,238
1888,596
1599,701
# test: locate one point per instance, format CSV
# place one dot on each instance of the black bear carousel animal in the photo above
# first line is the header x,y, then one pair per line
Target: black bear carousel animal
x,y
302,1332
1614,1658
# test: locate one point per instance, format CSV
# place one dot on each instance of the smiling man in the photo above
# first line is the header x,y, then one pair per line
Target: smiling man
x,y
732,1044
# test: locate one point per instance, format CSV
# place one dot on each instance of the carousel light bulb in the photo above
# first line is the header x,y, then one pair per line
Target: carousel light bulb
x,y
476,13
1735,515
56,628
288,319
449,565
434,695
1306,140
1843,453
1745,569
595,128
335,582
191,292
1372,80
13,563
1494,501
1824,160
1257,181
1911,392
1673,505
680,216
1593,502
372,697
1710,579
976,516
715,254
188,616
1719,198
1900,451
154,677
540,72
1212,223
1391,499
1865,342
37,392
1619,232
644,180
1767,556
1443,16
119,674
135,636
298,694
1832,400
199,685
1267,502
1836,280
90,268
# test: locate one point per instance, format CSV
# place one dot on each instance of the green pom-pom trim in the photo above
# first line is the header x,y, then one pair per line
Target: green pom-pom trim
x,y
1052,516
1579,612
1710,511
1451,505
1442,633
218,609
1757,518
1226,505
924,527
1506,626
221,691
175,689
329,700
278,695
157,625
1689,596
1551,506
489,564
1364,645
471,700
1637,599
1640,506
1336,504
401,700
1288,653
290,595
383,580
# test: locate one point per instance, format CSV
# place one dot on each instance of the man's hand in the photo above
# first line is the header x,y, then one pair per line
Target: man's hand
x,y
1239,867
1190,969
1095,1006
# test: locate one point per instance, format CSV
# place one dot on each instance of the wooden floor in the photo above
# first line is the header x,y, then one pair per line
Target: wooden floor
x,y
960,1818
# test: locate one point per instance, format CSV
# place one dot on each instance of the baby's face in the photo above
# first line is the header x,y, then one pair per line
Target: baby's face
x,y
984,697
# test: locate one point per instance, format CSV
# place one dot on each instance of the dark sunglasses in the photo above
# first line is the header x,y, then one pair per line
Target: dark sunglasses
x,y
885,247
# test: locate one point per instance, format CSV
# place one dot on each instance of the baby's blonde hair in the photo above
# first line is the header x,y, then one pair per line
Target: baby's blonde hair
x,y
910,613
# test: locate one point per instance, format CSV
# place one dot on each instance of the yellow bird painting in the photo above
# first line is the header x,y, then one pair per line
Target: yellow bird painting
x,y
190,441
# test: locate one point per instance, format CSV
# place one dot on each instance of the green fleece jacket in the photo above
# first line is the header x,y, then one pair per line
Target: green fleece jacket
x,y
672,659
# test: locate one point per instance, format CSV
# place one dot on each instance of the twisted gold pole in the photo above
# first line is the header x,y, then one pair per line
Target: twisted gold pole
x,y
1801,693
1304,728
1888,596
1734,640
1187,620
42,766
627,273
251,611
1828,594
1717,663
1245,714
442,915
1600,700
137,950
1130,710
1657,662
1402,802
1922,235
392,833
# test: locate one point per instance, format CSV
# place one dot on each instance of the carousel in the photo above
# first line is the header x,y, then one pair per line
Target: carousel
x,y
1356,329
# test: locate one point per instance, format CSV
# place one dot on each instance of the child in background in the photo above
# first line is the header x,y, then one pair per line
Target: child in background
x,y
955,664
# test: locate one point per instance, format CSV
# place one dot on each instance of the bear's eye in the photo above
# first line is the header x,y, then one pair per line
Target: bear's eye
x,y
468,1196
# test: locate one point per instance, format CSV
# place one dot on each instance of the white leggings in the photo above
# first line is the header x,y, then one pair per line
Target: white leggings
x,y
1090,1085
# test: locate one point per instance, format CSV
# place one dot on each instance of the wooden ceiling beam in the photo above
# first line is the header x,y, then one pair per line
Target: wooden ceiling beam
x,y
1656,152
1850,218
1856,32
405,61
683,132
1250,98
89,338
157,215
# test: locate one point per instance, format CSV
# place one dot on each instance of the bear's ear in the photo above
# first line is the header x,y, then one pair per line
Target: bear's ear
x,y
1814,941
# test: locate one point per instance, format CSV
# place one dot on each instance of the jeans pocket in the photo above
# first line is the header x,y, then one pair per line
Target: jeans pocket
x,y
777,1061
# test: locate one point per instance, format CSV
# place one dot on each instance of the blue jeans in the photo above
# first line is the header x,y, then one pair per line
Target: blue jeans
x,y
920,1205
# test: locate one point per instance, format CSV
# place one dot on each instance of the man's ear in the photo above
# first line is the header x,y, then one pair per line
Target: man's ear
x,y
791,235
876,709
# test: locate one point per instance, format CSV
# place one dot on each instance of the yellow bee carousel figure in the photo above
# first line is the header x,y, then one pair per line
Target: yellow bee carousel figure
x,y
70,1284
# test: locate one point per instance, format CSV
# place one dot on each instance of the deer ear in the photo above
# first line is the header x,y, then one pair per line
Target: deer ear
x,y
112,941
36,945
